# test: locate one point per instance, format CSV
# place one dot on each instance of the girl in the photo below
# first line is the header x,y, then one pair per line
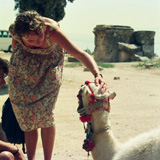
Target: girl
x,y
35,76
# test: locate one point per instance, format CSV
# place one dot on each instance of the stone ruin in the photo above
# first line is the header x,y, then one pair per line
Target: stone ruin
x,y
120,43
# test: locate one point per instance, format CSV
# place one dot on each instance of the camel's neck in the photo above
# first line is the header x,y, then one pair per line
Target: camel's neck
x,y
105,143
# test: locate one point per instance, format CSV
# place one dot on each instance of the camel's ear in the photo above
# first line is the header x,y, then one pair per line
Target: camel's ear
x,y
112,95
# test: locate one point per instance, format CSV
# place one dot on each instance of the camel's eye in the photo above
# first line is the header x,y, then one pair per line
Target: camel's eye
x,y
87,92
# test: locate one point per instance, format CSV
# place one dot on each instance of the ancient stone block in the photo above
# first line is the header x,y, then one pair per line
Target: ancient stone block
x,y
106,41
144,37
130,48
118,43
148,50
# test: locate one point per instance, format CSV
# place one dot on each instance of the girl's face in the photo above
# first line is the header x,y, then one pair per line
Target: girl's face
x,y
33,40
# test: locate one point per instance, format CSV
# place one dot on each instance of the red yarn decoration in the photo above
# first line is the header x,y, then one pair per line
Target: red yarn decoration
x,y
88,144
85,118
92,99
78,96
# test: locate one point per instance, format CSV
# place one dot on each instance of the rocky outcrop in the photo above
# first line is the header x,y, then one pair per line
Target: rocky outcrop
x,y
120,43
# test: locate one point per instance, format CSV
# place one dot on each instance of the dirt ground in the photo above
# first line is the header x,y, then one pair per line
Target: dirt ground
x,y
135,109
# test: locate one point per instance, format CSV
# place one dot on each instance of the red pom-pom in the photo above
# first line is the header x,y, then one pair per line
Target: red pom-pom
x,y
85,118
78,95
87,82
88,144
104,108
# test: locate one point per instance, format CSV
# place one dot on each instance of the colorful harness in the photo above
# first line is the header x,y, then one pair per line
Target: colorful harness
x,y
86,115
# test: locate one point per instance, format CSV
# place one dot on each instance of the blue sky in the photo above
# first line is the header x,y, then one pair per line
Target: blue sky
x,y
82,16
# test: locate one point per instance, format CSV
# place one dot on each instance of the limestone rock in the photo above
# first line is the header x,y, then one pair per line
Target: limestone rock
x,y
138,58
118,43
148,50
106,41
144,37
131,48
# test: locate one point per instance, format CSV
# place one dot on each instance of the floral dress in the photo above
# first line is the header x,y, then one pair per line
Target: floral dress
x,y
35,76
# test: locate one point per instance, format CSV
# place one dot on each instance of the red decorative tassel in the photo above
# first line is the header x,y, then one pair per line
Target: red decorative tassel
x,y
78,95
85,118
91,145
88,144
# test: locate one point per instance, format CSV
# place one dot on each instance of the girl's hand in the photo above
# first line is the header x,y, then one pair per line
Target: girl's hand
x,y
100,81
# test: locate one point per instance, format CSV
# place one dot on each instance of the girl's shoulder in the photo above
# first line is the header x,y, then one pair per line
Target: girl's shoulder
x,y
52,27
51,24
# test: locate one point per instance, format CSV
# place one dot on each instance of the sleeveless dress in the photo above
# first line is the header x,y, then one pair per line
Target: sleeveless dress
x,y
35,76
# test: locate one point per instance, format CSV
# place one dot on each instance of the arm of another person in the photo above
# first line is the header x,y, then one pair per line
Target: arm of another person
x,y
58,36
4,146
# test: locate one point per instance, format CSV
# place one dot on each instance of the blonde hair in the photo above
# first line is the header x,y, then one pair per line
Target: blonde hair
x,y
28,21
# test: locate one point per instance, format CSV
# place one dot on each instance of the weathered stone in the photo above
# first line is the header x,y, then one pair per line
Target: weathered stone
x,y
149,65
148,50
138,58
140,53
106,41
125,56
130,48
127,51
119,43
144,37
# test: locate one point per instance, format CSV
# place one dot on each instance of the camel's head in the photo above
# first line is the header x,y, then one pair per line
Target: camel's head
x,y
91,98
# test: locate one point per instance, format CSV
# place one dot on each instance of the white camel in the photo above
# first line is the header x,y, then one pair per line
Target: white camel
x,y
94,109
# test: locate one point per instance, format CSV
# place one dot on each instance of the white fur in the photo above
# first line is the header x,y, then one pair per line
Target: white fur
x,y
143,147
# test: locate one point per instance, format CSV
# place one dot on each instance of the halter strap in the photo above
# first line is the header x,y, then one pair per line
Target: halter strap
x,y
101,130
